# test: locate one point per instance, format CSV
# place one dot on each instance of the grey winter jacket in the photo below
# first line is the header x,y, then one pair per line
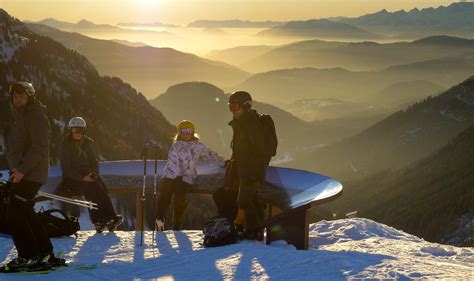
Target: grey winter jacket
x,y
78,159
28,142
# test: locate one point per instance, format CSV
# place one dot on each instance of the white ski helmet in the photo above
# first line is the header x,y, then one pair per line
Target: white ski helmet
x,y
77,122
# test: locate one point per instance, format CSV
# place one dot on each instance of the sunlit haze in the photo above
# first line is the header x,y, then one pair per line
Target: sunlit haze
x,y
184,12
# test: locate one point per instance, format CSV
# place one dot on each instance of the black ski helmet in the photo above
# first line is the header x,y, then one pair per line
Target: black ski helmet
x,y
241,97
22,88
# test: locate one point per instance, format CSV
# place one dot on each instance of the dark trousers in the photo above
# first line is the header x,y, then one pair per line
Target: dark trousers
x,y
168,188
29,236
95,192
249,201
226,203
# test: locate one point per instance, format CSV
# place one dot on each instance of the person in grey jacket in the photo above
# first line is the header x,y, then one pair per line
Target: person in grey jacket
x,y
80,168
28,147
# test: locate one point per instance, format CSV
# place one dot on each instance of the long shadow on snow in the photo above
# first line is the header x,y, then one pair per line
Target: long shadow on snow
x,y
280,263
94,249
256,261
251,259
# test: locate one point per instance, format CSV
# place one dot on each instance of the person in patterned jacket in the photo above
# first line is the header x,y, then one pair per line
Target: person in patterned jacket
x,y
180,172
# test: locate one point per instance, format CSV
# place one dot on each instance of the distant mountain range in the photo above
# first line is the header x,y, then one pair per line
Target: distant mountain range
x,y
86,26
152,70
206,105
82,24
383,103
147,24
429,198
240,55
412,170
361,87
400,139
356,56
322,28
403,94
456,19
130,44
234,23
119,119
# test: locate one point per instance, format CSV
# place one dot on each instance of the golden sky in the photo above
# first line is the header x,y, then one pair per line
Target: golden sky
x,y
186,11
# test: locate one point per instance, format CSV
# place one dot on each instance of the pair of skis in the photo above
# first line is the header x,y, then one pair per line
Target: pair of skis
x,y
157,148
81,203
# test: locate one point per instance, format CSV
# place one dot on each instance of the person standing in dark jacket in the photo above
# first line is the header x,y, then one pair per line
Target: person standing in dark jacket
x,y
28,147
249,161
80,170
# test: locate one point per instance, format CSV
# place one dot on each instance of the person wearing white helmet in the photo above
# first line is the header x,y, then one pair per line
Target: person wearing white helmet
x,y
80,168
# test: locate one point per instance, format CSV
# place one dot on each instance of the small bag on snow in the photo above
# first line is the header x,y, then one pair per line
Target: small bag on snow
x,y
218,231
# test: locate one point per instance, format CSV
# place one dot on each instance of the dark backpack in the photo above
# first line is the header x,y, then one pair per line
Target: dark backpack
x,y
218,231
58,226
55,226
269,136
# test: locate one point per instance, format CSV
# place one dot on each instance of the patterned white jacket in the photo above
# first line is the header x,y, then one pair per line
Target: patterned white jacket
x,y
183,157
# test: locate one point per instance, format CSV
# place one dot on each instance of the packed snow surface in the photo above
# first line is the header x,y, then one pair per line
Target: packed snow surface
x,y
350,248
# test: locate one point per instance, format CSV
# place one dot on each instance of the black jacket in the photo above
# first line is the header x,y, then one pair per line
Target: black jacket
x,y
78,158
248,151
28,142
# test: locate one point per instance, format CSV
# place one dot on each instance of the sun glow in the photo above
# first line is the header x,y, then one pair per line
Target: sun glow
x,y
146,2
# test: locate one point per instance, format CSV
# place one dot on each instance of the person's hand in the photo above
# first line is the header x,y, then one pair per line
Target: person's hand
x,y
88,178
16,176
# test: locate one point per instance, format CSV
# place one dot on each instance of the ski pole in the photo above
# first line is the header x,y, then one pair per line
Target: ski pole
x,y
154,192
143,195
81,203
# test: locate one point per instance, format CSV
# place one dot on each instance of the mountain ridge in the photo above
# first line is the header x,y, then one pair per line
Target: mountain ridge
x,y
150,69
119,118
321,28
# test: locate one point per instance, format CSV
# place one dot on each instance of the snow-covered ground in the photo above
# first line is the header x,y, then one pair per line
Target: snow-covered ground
x,y
350,248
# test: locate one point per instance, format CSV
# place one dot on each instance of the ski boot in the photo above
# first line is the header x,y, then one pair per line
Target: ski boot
x,y
26,265
114,223
160,225
55,261
256,235
99,227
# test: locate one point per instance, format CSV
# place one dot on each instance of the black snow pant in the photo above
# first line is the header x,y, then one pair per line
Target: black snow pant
x,y
249,200
226,203
179,188
29,236
95,192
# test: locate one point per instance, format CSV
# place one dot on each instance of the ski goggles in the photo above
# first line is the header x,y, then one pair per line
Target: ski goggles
x,y
234,106
185,131
17,89
77,130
